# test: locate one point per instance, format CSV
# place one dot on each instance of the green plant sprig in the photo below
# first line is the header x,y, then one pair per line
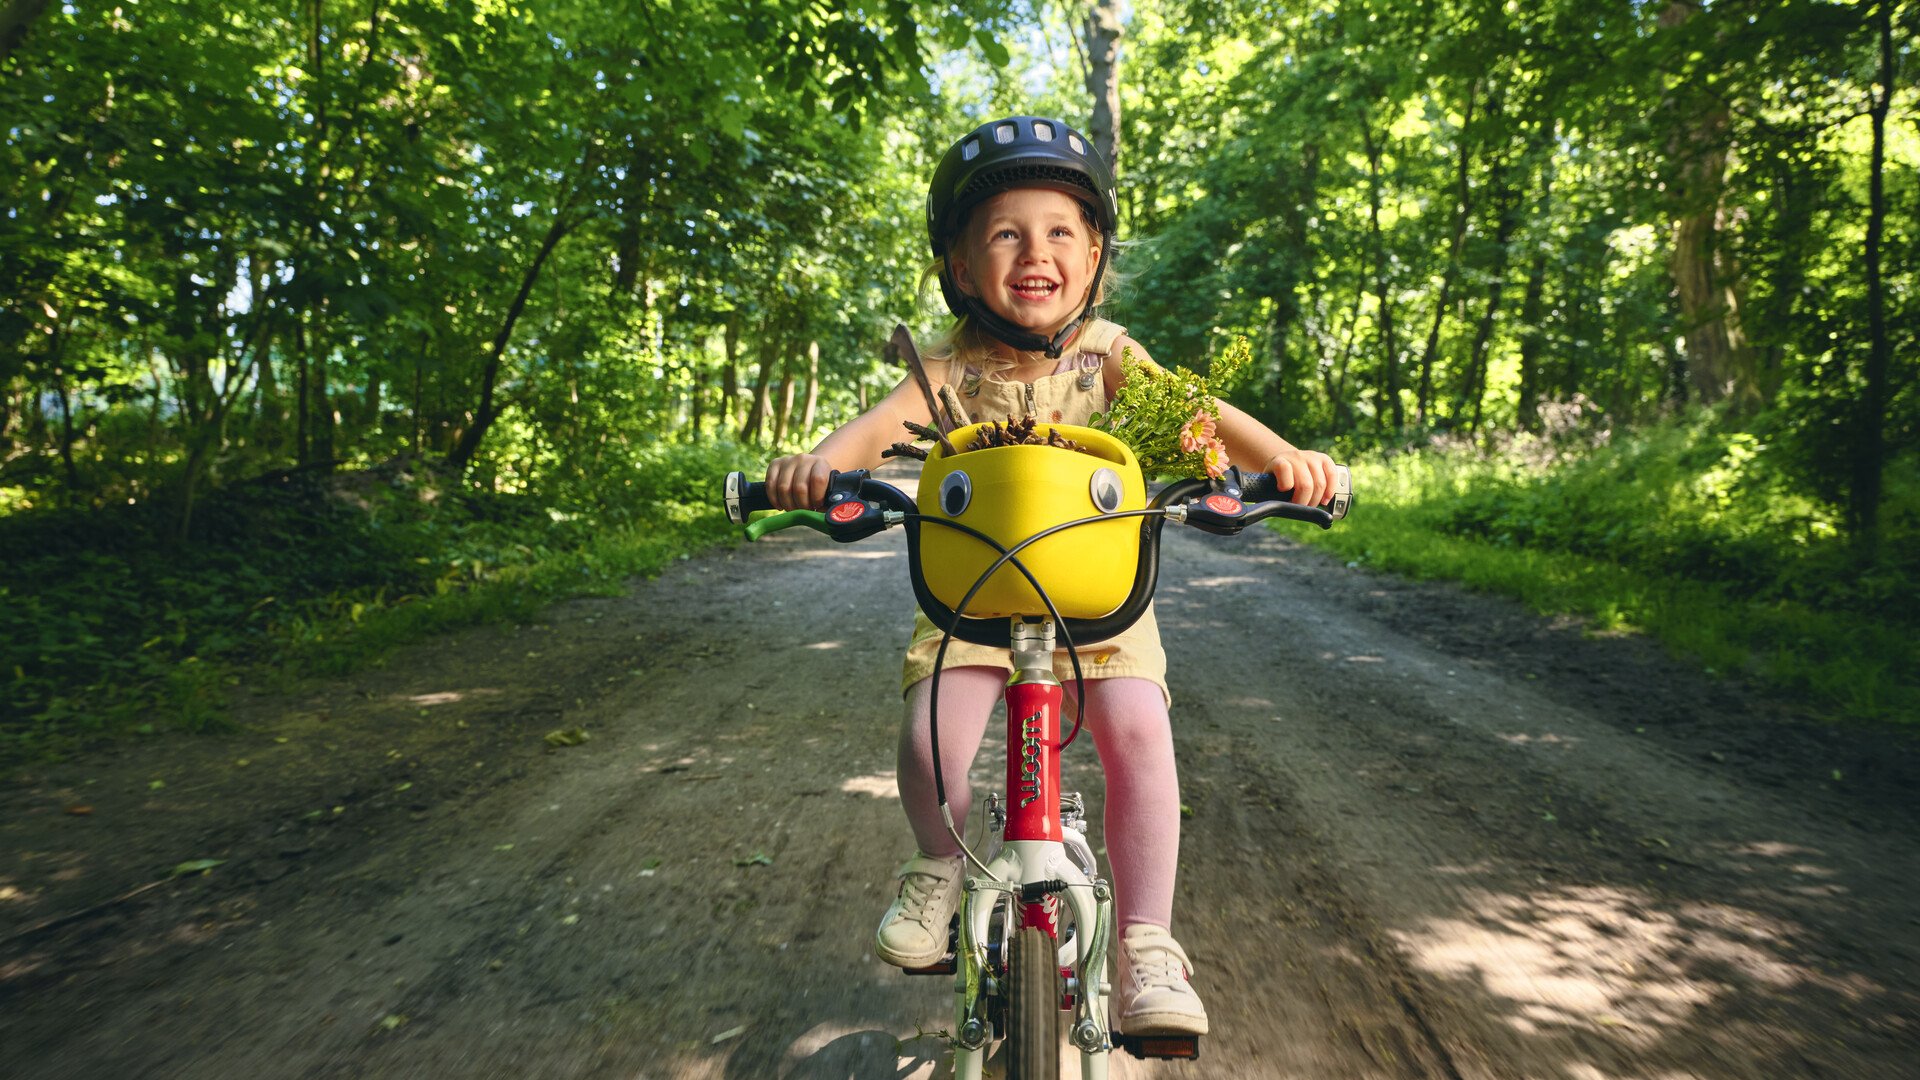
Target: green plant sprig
x,y
1155,407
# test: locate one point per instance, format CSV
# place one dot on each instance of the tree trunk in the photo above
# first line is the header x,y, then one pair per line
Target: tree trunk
x,y
762,387
321,395
782,421
419,397
813,388
485,415
1104,29
370,404
1795,198
1475,391
1717,361
1462,208
730,374
699,405
634,202
66,433
1531,337
271,413
302,411
1869,457
1389,348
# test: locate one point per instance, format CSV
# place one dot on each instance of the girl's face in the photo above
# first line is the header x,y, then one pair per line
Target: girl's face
x,y
1029,255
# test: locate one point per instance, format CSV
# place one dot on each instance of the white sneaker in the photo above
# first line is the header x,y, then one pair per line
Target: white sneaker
x,y
913,933
1154,996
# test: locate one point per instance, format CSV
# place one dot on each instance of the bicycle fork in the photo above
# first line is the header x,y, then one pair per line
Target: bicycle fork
x,y
1045,859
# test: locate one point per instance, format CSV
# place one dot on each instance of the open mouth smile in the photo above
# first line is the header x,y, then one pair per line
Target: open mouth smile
x,y
1034,288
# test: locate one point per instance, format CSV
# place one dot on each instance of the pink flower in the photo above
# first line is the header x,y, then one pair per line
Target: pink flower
x,y
1197,432
1216,458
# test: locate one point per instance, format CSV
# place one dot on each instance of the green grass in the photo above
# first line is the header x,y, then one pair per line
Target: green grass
x,y
1679,533
340,642
110,625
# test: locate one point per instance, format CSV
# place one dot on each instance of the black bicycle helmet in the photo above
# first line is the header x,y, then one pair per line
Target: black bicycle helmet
x,y
1019,151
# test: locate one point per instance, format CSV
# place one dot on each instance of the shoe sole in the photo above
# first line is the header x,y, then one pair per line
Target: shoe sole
x,y
1154,1024
915,960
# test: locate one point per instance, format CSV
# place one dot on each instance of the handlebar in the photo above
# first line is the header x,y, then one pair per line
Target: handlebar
x,y
857,506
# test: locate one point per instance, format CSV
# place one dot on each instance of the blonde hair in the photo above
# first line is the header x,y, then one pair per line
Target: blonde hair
x,y
965,345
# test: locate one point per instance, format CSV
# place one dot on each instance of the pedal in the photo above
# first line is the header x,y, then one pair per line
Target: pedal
x,y
1165,1047
943,967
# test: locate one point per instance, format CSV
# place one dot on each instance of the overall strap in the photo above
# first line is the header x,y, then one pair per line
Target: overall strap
x,y
1098,336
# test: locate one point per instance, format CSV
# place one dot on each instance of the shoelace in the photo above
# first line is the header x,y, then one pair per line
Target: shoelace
x,y
1158,965
917,891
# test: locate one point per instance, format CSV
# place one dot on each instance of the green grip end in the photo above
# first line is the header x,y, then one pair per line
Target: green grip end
x,y
812,519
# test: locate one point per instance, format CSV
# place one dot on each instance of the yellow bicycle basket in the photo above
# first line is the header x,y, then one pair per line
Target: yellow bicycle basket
x,y
1012,492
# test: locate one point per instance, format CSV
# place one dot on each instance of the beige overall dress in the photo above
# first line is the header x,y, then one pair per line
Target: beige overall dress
x,y
1071,395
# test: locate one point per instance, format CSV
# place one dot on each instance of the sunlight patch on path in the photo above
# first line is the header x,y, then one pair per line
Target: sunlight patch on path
x,y
1602,957
836,551
450,697
880,785
846,1050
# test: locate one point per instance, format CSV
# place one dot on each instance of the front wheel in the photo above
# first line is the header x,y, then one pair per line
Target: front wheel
x,y
1033,1007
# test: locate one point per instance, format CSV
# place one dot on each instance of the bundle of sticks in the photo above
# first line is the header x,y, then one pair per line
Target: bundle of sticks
x,y
1021,432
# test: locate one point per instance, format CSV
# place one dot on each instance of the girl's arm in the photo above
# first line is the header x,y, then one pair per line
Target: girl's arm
x,y
799,481
1251,444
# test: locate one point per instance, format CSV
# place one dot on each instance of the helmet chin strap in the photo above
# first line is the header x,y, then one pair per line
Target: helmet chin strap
x,y
1025,340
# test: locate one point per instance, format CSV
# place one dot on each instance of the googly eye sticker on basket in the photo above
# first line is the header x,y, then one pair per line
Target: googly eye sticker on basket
x,y
1107,490
956,492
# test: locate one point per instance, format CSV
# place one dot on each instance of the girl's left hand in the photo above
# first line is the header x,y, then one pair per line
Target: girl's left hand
x,y
1308,472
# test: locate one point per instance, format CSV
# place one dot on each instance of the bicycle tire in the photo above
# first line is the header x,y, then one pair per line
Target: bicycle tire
x,y
1033,1007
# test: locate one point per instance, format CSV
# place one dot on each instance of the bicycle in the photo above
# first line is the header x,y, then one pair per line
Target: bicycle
x,y
1016,972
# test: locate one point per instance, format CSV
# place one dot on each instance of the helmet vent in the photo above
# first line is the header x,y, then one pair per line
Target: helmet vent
x,y
1078,146
1004,133
970,150
1043,131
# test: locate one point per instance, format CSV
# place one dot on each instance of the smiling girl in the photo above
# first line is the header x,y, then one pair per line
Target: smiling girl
x,y
1021,215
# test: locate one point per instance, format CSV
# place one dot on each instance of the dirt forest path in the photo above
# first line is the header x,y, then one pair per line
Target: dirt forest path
x,y
1431,836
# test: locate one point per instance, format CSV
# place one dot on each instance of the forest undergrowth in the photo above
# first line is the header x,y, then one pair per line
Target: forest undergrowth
x,y
1685,531
113,625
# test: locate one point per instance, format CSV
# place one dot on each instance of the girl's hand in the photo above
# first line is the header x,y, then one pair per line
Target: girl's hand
x,y
798,481
1308,472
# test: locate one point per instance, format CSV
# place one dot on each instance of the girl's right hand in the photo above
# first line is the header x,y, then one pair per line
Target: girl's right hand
x,y
798,481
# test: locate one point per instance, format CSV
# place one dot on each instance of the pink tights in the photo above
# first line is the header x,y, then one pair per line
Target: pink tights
x,y
1134,738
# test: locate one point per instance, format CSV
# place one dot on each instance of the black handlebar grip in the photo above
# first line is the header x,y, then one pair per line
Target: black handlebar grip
x,y
743,497
1262,487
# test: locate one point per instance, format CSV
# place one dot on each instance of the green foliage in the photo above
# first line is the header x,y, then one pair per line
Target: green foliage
x,y
1687,531
1167,418
108,623
597,254
235,240
1436,218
